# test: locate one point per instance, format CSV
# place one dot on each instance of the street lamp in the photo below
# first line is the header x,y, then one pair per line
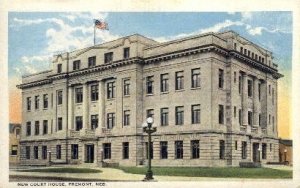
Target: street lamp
x,y
49,152
147,128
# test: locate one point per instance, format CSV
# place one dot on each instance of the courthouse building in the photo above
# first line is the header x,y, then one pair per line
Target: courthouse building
x,y
213,98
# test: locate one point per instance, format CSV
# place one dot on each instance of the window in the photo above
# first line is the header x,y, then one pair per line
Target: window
x,y
126,117
76,65
234,112
250,118
94,121
221,114
236,145
94,92
111,90
259,91
74,151
269,119
240,116
234,46
249,53
59,123
14,150
195,149
250,86
45,127
273,96
164,116
44,152
78,123
163,150
107,151
110,120
45,100
108,57
125,150
245,51
149,85
179,82
179,115
221,78
151,150
196,114
28,103
234,77
263,60
78,94
150,113
259,58
37,128
126,53
195,78
37,101
264,151
270,147
28,128
252,55
92,61
259,119
17,132
58,151
59,68
27,151
222,149
269,89
241,50
126,87
59,97
164,85
240,84
273,123
36,152
178,149
244,150
255,56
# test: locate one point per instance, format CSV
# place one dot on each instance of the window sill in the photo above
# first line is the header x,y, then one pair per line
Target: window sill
x,y
179,90
195,88
110,99
78,103
45,109
164,92
126,96
149,94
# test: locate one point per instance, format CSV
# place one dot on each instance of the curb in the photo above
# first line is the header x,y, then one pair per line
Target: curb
x,y
69,178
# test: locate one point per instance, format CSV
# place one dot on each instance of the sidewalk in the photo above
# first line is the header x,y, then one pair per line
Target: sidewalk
x,y
111,174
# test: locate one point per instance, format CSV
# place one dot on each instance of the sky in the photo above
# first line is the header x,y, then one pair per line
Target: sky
x,y
34,37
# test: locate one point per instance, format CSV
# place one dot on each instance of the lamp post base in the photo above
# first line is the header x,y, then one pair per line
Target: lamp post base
x,y
149,176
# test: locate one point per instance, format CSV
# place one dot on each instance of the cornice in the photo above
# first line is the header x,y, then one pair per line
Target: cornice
x,y
163,57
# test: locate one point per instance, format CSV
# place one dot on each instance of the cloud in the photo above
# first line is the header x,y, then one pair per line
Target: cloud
x,y
33,64
215,28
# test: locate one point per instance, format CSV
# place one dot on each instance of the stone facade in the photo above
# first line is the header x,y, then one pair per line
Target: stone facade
x,y
14,145
213,98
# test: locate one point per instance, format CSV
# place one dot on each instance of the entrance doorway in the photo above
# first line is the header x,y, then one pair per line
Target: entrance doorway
x,y
256,152
89,153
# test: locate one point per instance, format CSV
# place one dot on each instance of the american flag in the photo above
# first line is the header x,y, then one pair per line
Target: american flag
x,y
101,25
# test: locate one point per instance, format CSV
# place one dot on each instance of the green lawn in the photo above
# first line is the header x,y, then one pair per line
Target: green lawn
x,y
64,170
226,172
